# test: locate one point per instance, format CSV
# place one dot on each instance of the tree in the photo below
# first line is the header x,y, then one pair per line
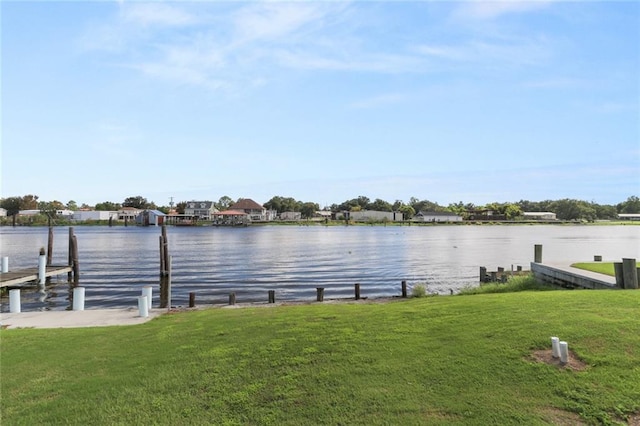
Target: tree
x,y
12,205
181,207
631,205
137,202
567,209
29,202
380,205
224,202
50,208
283,204
107,206
72,205
309,209
407,211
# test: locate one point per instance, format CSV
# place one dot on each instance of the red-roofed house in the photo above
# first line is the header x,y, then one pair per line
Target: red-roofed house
x,y
256,212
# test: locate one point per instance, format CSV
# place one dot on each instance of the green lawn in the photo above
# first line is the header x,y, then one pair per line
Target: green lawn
x,y
600,267
435,360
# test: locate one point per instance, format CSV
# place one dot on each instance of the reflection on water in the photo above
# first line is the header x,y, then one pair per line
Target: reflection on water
x,y
213,262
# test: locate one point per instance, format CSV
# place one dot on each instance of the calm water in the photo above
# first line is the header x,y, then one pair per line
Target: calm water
x,y
115,263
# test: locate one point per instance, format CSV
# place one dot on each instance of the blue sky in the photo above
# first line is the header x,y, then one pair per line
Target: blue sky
x,y
321,101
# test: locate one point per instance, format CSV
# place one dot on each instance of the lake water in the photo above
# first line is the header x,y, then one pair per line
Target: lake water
x,y
115,263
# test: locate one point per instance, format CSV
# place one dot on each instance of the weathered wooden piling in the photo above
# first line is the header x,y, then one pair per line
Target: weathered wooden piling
x,y
76,262
617,268
319,294
630,273
483,274
192,300
357,291
232,298
50,247
404,289
272,296
537,253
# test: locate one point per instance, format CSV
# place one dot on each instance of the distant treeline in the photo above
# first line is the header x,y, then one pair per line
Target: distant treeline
x,y
565,209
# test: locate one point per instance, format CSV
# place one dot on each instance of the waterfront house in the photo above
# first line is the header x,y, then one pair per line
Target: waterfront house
x,y
230,218
437,217
256,212
203,210
128,213
3,212
150,218
290,216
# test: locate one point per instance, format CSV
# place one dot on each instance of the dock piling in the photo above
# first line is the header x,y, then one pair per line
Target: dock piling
x,y
319,294
630,273
537,253
192,300
14,301
357,291
272,296
404,289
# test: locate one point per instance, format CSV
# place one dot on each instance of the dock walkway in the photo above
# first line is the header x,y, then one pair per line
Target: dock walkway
x,y
566,276
23,276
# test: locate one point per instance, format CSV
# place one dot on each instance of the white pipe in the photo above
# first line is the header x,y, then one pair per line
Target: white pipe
x,y
78,299
5,264
555,347
143,307
42,269
147,290
14,301
564,352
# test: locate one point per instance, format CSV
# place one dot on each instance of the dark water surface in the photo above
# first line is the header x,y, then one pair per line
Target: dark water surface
x,y
115,263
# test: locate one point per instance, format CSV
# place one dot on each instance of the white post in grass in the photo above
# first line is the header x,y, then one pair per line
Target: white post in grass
x,y
143,307
14,301
78,299
147,290
555,347
564,352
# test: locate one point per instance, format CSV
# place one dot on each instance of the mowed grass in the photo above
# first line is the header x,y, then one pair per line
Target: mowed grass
x,y
435,360
599,267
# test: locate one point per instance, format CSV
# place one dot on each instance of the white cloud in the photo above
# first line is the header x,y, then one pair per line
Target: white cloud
x,y
482,9
160,14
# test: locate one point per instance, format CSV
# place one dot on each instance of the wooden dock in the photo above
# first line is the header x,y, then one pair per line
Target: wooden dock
x,y
24,276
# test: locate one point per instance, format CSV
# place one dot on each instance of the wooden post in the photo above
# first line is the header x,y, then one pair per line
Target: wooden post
x,y
50,247
630,273
404,289
483,274
537,253
494,276
70,258
357,290
597,258
319,294
519,268
165,244
110,221
617,267
76,263
272,296
163,268
232,298
192,300
126,221
169,269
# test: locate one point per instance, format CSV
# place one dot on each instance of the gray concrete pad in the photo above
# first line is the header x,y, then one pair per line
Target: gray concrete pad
x,y
70,319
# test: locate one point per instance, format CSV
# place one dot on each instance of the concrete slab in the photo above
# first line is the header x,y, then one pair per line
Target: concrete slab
x,y
71,319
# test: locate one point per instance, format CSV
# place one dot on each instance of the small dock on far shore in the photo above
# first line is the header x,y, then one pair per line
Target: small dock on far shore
x,y
27,275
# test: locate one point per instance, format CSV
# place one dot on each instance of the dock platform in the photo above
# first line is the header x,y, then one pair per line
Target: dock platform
x,y
24,276
568,277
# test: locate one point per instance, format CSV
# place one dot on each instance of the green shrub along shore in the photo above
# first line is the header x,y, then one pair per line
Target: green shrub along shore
x,y
474,360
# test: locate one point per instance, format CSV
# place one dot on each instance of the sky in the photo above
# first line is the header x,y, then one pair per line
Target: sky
x,y
446,101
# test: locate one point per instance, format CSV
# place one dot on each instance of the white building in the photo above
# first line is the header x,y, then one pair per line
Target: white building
x,y
374,216
539,215
83,215
201,209
629,216
437,217
3,212
290,216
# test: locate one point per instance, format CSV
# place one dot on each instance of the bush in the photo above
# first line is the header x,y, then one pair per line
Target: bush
x,y
419,290
514,284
